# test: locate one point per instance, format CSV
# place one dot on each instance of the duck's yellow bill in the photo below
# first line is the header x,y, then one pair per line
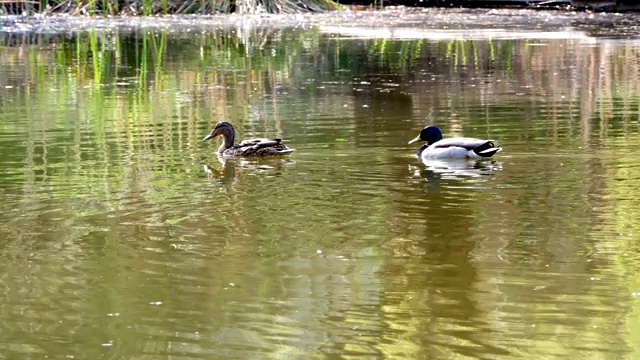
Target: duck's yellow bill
x,y
416,139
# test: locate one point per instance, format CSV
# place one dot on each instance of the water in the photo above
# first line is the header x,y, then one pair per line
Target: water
x,y
115,243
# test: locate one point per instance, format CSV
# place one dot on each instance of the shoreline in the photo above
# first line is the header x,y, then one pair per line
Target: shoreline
x,y
115,8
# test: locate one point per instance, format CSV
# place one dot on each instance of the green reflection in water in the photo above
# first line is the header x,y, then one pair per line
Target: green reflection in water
x,y
117,243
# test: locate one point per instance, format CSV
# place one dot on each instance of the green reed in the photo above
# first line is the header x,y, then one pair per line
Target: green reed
x,y
153,7
147,7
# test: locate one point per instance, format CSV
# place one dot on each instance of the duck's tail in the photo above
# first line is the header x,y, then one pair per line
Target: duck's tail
x,y
487,149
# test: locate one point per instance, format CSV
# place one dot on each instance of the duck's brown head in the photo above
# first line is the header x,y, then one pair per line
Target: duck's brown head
x,y
222,128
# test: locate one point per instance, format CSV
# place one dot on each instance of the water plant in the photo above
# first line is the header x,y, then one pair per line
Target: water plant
x,y
165,7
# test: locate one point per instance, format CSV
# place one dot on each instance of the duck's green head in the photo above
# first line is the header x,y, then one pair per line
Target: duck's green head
x,y
430,134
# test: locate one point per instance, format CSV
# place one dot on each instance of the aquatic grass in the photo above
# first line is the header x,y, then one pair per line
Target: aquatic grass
x,y
91,7
156,7
95,59
143,63
398,54
159,45
147,7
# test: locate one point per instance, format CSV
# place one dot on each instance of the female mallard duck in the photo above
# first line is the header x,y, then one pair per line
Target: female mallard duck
x,y
452,148
246,148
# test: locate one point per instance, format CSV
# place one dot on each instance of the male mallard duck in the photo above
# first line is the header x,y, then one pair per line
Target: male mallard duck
x,y
246,148
452,148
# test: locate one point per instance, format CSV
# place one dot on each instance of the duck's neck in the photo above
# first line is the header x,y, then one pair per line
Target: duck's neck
x,y
422,148
228,137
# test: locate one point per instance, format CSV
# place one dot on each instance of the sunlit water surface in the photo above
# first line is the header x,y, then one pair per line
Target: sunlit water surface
x,y
116,243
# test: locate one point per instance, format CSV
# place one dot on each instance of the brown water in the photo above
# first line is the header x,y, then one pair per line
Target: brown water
x,y
115,243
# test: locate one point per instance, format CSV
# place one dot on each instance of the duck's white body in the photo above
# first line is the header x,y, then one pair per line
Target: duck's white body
x,y
453,148
458,148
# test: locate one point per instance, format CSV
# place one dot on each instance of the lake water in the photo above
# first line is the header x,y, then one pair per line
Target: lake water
x,y
115,243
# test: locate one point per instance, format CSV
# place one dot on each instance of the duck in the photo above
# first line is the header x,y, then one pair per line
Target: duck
x,y
246,148
453,148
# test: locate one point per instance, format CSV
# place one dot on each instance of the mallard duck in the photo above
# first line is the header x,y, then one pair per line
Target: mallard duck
x,y
246,148
452,148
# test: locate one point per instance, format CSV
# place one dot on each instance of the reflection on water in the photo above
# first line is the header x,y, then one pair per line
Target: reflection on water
x,y
433,169
225,169
124,236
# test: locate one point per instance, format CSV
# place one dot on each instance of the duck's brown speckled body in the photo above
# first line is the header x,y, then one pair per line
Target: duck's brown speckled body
x,y
246,148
